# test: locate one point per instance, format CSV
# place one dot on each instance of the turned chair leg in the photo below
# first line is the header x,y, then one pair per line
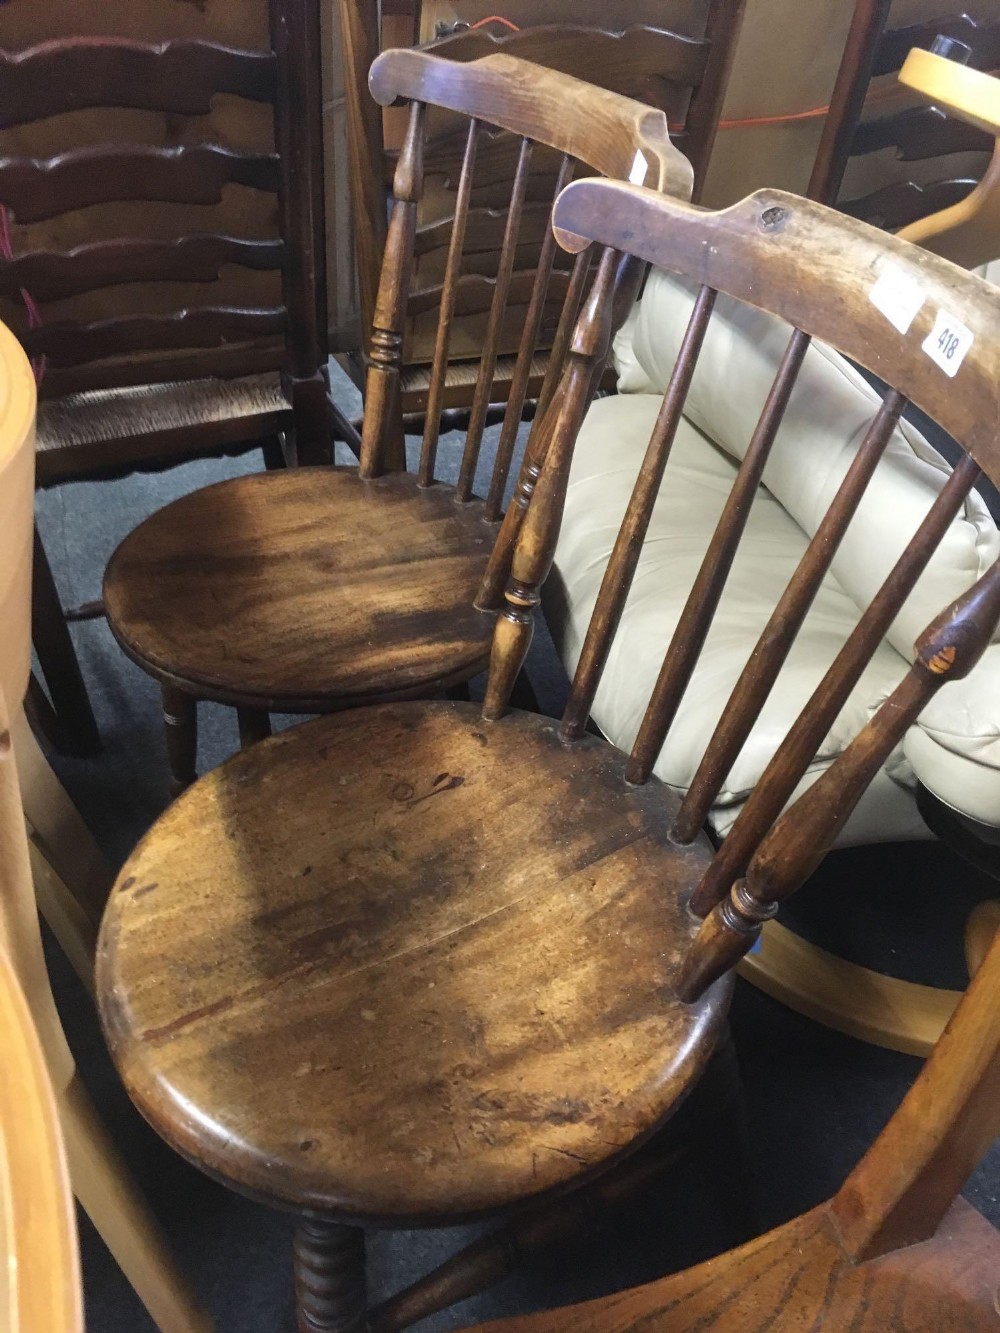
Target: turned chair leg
x,y
330,1278
255,725
180,718
77,729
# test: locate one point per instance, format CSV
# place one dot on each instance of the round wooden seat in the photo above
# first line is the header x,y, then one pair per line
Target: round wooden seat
x,y
300,589
441,982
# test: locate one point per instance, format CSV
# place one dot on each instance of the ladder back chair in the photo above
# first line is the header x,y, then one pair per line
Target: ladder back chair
x,y
682,76
918,134
344,587
895,1248
815,270
167,281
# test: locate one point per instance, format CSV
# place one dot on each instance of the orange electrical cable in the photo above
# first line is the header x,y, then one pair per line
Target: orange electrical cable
x,y
495,18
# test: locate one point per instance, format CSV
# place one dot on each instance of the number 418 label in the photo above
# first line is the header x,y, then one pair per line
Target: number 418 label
x,y
948,342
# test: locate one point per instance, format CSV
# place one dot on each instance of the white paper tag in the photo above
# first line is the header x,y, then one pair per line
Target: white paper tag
x,y
897,296
948,342
639,164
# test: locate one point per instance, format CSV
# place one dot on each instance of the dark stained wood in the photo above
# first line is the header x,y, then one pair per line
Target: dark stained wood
x,y
806,734
39,188
896,206
51,275
918,133
181,729
329,1277
447,299
254,725
757,679
75,717
491,343
227,363
464,1021
795,1278
696,618
336,590
180,77
66,344
847,99
701,124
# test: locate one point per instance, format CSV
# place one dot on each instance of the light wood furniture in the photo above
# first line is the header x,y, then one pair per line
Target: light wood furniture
x,y
894,1248
157,340
40,1275
969,231
316,590
424,960
683,76
70,881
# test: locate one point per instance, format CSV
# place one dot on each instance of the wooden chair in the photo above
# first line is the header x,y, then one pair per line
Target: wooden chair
x,y
197,325
918,134
895,1248
684,77
315,590
40,1277
423,960
70,886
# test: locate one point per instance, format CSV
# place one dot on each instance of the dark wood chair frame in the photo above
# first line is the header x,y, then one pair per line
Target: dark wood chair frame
x,y
523,100
178,78
651,64
772,250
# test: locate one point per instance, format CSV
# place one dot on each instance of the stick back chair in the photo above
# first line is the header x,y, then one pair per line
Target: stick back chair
x,y
343,587
786,256
682,76
195,325
895,1248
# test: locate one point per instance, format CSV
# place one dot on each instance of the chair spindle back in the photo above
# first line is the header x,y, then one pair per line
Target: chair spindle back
x,y
814,269
541,110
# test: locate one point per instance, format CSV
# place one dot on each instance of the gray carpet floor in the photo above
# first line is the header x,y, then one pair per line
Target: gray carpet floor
x,y
815,1099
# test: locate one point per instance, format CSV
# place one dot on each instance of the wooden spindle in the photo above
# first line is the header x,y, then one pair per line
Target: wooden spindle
x,y
382,420
699,609
796,844
536,543
494,328
621,568
525,356
439,366
807,733
767,658
564,329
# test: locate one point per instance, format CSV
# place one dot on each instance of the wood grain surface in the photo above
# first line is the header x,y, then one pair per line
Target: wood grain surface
x,y
304,588
436,985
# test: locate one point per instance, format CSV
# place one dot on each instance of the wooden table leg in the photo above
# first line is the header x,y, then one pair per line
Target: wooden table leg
x,y
330,1278
255,725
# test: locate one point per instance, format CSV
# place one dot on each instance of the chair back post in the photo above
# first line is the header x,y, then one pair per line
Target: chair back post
x,y
847,99
722,32
386,352
295,38
535,547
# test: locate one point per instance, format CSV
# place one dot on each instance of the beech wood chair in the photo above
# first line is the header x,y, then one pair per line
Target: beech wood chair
x,y
313,590
49,862
40,1276
197,325
895,1248
684,77
422,961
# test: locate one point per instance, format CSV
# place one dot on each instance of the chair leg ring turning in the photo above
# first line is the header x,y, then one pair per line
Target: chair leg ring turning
x,y
330,1278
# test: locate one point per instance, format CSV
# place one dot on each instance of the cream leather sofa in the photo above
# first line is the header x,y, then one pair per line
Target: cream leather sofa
x,y
954,749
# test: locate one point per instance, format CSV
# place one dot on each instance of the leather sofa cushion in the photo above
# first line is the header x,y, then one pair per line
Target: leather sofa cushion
x,y
698,478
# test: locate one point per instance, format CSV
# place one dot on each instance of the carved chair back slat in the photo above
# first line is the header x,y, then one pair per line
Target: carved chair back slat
x,y
532,107
193,291
814,269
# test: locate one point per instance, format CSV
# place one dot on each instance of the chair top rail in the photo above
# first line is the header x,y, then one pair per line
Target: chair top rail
x,y
615,135
827,275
